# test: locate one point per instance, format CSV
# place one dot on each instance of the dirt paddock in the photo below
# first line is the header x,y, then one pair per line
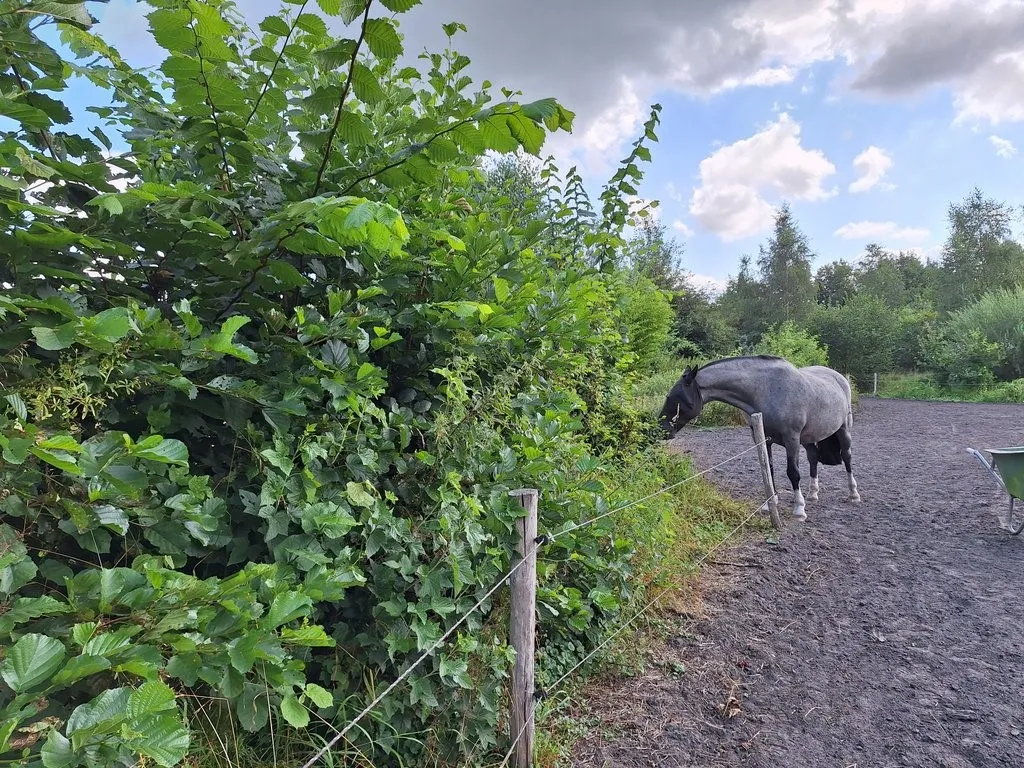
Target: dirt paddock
x,y
888,634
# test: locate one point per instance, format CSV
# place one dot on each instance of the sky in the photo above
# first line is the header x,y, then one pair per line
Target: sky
x,y
868,116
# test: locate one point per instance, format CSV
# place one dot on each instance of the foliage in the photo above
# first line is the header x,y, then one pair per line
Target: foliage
x,y
782,290
835,283
268,375
647,316
982,342
793,343
787,291
860,335
980,254
924,386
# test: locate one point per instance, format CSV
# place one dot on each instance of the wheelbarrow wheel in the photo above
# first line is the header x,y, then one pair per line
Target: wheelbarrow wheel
x,y
1015,517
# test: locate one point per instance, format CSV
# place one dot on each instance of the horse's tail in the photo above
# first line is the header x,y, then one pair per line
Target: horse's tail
x,y
830,451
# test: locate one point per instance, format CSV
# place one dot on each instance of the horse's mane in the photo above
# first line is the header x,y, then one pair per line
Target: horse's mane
x,y
741,357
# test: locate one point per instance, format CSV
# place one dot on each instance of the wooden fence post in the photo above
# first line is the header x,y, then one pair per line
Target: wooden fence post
x,y
874,389
522,630
757,427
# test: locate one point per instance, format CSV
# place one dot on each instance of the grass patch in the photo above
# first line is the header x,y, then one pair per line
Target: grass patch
x,y
923,386
681,526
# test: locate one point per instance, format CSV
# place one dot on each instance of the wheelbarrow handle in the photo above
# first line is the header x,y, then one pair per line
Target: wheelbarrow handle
x,y
990,467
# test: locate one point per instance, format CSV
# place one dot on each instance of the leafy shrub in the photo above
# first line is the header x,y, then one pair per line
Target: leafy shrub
x,y
860,336
795,344
990,332
261,409
647,316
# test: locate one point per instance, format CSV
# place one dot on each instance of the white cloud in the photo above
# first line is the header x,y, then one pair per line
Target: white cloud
x,y
682,228
735,178
1004,147
972,48
713,284
880,230
673,192
871,165
994,93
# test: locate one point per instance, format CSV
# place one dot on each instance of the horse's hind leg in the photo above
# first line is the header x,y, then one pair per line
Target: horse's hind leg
x,y
793,472
845,445
812,459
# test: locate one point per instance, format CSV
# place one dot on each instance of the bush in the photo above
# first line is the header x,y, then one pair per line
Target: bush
x,y
260,412
647,316
988,334
795,344
860,336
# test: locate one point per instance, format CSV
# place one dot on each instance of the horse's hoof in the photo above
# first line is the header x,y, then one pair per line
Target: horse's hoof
x,y
799,514
854,499
812,497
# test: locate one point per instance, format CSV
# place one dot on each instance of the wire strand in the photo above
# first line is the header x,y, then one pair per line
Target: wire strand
x,y
666,489
647,607
437,644
515,741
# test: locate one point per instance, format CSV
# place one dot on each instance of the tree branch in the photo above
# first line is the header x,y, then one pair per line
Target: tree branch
x,y
239,230
341,102
273,69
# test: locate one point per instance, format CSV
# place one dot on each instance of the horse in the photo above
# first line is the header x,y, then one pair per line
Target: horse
x,y
809,407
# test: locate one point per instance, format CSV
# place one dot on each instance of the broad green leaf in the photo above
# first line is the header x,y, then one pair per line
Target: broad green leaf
x,y
350,10
110,324
252,707
103,715
296,714
286,607
275,25
330,7
335,353
30,117
382,39
162,738
366,369
358,495
31,662
107,644
399,6
163,450
54,339
286,274
150,698
321,697
17,405
33,166
59,459
79,668
61,443
57,752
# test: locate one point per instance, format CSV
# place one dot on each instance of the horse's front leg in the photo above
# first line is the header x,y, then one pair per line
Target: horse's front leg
x,y
793,472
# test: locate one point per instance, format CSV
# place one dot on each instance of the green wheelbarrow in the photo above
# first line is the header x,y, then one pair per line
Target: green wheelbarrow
x,y
1007,467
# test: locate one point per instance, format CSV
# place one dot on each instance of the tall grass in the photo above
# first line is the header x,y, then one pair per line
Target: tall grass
x,y
924,386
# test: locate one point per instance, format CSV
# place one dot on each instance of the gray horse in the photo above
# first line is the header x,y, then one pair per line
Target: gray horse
x,y
808,406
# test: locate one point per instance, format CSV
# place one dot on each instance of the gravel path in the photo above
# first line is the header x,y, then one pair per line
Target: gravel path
x,y
888,634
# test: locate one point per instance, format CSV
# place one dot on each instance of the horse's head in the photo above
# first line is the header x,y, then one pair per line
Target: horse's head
x,y
683,404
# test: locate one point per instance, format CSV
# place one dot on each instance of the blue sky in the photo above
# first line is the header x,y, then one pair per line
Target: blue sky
x,y
763,100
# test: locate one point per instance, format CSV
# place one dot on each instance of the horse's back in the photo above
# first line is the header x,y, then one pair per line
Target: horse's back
x,y
824,373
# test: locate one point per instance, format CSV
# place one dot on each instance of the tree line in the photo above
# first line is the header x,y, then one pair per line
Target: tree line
x,y
959,318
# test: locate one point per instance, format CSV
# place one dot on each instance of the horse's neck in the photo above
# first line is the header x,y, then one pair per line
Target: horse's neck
x,y
729,383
